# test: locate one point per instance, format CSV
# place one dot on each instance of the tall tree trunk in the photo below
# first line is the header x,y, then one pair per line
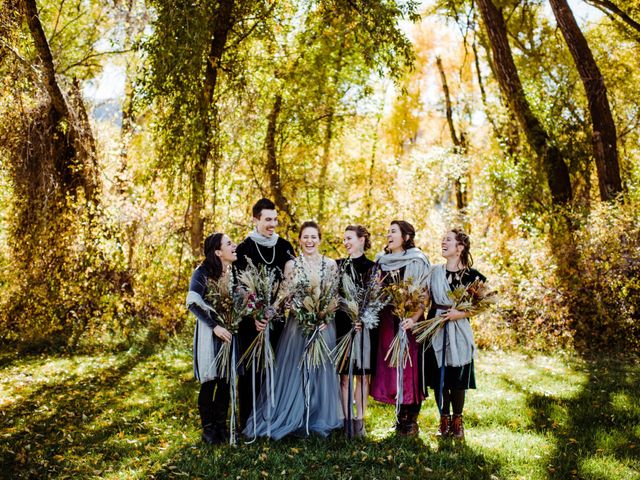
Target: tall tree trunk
x,y
328,137
483,93
324,167
44,52
506,132
223,24
459,143
73,149
507,74
273,170
372,168
604,129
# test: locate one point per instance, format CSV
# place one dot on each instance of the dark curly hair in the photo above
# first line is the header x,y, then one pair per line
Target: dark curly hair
x,y
463,239
406,230
361,232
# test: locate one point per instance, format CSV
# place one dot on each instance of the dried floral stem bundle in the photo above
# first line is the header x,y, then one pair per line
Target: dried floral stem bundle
x,y
472,299
230,305
362,304
314,301
407,298
264,299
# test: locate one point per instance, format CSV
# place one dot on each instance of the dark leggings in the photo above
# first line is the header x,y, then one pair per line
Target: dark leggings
x,y
411,409
451,398
213,401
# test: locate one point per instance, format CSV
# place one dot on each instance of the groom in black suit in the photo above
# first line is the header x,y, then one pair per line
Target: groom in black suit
x,y
263,247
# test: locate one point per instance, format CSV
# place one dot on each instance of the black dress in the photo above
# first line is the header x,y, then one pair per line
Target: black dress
x,y
455,378
361,270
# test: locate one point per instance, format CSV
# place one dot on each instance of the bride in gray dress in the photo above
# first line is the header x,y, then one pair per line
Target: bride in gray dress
x,y
287,414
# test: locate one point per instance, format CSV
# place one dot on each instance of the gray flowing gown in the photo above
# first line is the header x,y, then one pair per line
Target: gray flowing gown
x,y
288,415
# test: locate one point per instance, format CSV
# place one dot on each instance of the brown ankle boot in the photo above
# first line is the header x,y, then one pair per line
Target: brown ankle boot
x,y
401,422
412,425
445,426
457,427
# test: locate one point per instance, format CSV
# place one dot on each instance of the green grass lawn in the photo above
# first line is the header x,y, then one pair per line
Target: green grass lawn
x,y
134,415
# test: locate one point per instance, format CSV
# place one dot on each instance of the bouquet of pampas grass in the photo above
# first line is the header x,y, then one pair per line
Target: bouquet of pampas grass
x,y
314,301
407,297
362,304
473,299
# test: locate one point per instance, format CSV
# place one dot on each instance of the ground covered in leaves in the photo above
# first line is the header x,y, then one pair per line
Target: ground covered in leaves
x,y
133,415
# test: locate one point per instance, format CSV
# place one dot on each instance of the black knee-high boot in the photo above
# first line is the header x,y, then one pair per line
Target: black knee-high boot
x,y
207,412
220,407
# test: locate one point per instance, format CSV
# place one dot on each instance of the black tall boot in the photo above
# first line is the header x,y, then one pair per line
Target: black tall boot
x,y
412,424
209,431
408,420
220,406
207,413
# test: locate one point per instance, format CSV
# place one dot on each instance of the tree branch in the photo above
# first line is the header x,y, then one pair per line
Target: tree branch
x,y
610,7
70,22
44,52
55,26
80,63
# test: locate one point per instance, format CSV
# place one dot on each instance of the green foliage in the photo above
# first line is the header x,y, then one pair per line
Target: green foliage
x,y
361,137
76,31
318,58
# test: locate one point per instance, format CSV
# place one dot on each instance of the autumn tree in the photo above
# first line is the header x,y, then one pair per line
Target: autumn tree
x,y
604,139
191,46
507,75
51,159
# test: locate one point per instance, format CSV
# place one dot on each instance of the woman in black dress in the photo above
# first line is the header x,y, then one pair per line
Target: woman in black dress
x,y
458,356
213,400
356,242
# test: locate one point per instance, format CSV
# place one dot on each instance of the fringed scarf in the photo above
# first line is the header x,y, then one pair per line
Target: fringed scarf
x,y
460,346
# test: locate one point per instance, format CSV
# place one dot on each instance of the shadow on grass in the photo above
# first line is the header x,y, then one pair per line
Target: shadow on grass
x,y
333,457
596,431
55,423
137,418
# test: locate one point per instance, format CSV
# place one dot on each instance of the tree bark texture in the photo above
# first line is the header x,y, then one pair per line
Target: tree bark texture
x,y
556,170
223,23
605,149
273,169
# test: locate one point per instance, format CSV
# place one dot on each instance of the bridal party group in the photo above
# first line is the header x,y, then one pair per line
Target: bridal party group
x,y
286,343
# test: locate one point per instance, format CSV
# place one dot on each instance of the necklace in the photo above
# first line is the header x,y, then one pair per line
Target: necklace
x,y
457,275
273,257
